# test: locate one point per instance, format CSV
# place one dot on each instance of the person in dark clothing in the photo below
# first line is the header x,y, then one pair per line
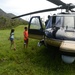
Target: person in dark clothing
x,y
47,20
53,20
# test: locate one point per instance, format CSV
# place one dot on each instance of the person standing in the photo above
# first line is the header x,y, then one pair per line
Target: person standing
x,y
25,37
11,38
47,20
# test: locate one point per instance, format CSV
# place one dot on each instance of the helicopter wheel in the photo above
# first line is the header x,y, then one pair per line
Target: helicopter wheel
x,y
67,59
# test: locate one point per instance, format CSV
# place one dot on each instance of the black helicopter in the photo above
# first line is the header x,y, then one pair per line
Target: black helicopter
x,y
59,31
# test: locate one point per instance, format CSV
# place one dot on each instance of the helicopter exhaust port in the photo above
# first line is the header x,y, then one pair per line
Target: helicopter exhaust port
x,y
67,49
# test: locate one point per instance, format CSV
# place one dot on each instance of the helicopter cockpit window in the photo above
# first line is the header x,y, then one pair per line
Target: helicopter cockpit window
x,y
49,24
35,24
69,22
59,21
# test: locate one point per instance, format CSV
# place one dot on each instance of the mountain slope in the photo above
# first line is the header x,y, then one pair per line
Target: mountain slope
x,y
6,21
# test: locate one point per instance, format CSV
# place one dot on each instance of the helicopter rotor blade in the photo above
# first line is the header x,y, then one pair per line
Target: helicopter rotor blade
x,y
68,7
46,10
57,2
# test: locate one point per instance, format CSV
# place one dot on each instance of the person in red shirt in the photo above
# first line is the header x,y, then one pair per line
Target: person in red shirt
x,y
25,37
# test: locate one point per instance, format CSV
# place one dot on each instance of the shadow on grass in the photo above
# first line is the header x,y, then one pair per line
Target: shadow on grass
x,y
47,57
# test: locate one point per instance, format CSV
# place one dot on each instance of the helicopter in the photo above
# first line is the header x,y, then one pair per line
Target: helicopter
x,y
59,31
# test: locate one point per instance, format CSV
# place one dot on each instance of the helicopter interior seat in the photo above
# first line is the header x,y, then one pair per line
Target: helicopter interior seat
x,y
54,32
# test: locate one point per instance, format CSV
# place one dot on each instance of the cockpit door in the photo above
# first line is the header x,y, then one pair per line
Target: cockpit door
x,y
35,28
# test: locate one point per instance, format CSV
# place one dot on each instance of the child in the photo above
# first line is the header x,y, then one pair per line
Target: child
x,y
25,37
11,38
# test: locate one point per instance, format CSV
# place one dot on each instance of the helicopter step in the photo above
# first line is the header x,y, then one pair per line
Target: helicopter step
x,y
41,42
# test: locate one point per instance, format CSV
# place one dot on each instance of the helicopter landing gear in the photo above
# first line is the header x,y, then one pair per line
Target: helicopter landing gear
x,y
67,59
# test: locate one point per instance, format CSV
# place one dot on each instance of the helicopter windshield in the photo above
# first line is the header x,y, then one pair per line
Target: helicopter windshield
x,y
58,23
62,21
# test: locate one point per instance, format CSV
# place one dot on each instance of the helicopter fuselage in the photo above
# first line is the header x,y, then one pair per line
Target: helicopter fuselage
x,y
59,33
63,30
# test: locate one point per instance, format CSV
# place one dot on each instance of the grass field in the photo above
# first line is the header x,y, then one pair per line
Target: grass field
x,y
31,61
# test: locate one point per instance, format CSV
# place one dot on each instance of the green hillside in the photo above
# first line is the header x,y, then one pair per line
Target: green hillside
x,y
31,61
7,22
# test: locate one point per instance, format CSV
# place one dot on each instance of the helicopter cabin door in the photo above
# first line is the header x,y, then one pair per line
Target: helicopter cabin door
x,y
35,28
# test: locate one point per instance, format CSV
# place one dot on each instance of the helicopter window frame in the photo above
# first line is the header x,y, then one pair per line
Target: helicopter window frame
x,y
74,22
40,23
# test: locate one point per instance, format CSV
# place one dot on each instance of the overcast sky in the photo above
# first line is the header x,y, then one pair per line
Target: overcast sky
x,y
19,7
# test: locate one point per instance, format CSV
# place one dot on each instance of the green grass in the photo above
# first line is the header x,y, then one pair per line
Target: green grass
x,y
31,61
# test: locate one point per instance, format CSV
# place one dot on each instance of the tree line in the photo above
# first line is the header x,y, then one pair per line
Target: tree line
x,y
8,22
